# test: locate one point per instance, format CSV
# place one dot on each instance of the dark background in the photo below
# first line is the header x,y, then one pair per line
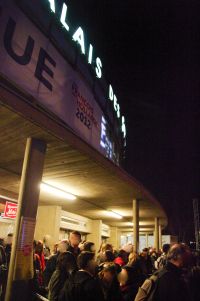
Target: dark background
x,y
150,52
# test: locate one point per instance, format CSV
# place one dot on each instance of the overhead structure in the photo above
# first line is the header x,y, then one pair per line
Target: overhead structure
x,y
51,90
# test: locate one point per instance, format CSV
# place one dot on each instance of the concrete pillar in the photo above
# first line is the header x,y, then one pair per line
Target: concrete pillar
x,y
21,263
160,237
156,234
95,236
147,240
114,237
48,226
136,225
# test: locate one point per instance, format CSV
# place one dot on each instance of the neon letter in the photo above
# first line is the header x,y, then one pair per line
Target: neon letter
x,y
52,5
90,54
78,37
123,127
98,67
63,17
111,94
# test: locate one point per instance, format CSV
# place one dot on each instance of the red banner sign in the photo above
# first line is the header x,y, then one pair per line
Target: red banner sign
x,y
10,210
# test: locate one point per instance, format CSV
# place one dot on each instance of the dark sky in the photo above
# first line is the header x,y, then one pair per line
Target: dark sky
x,y
151,55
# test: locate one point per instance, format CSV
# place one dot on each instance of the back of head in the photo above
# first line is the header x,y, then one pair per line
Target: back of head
x,y
66,262
89,246
84,258
179,253
107,247
109,256
166,248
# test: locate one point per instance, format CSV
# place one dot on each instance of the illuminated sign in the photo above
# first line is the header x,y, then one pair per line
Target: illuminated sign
x,y
105,142
79,37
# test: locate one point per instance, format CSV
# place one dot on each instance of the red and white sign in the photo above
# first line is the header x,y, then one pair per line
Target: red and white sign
x,y
10,210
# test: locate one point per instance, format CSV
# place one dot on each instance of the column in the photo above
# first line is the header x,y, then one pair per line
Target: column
x,y
147,240
48,226
95,236
160,237
136,225
114,237
156,234
21,263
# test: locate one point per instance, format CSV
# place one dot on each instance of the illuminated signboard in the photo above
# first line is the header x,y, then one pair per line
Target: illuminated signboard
x,y
36,63
79,37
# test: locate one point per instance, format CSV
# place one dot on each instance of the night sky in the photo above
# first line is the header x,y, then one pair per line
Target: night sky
x,y
151,55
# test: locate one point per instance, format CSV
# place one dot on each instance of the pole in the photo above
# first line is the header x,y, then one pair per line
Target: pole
x,y
136,225
156,234
21,262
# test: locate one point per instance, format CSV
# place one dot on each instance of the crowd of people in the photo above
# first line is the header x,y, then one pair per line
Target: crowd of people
x,y
75,271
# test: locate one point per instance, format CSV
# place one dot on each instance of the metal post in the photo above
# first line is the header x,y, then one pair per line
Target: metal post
x,y
21,262
136,225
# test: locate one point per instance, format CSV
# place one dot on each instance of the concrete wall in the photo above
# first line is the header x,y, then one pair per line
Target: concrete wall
x,y
48,223
95,236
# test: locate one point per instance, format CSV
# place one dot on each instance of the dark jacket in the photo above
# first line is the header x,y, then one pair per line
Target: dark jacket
x,y
50,268
82,287
56,284
129,292
171,285
74,251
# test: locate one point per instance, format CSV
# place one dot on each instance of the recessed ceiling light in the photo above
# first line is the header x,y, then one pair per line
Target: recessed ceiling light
x,y
57,192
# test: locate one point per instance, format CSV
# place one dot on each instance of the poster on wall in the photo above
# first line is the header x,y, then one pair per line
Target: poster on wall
x,y
10,210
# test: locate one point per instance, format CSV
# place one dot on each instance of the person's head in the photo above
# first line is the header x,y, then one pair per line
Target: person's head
x,y
109,256
145,252
179,255
132,258
66,263
9,239
62,246
128,275
75,239
89,246
165,248
108,273
2,243
39,247
124,255
107,247
86,261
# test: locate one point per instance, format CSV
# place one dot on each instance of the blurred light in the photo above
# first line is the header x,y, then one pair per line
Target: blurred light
x,y
7,198
58,192
114,214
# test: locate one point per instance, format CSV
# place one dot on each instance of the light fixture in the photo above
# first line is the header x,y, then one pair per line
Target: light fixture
x,y
56,191
7,198
114,214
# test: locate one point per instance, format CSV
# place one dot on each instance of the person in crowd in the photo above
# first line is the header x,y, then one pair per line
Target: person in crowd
x,y
122,258
171,285
65,267
154,256
145,262
8,248
130,280
39,261
74,241
52,261
46,248
101,256
84,285
89,246
109,256
194,283
162,260
3,270
132,258
109,282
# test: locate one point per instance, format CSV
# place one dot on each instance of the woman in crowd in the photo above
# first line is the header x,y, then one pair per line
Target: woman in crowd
x,y
122,258
89,247
130,280
109,282
66,266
